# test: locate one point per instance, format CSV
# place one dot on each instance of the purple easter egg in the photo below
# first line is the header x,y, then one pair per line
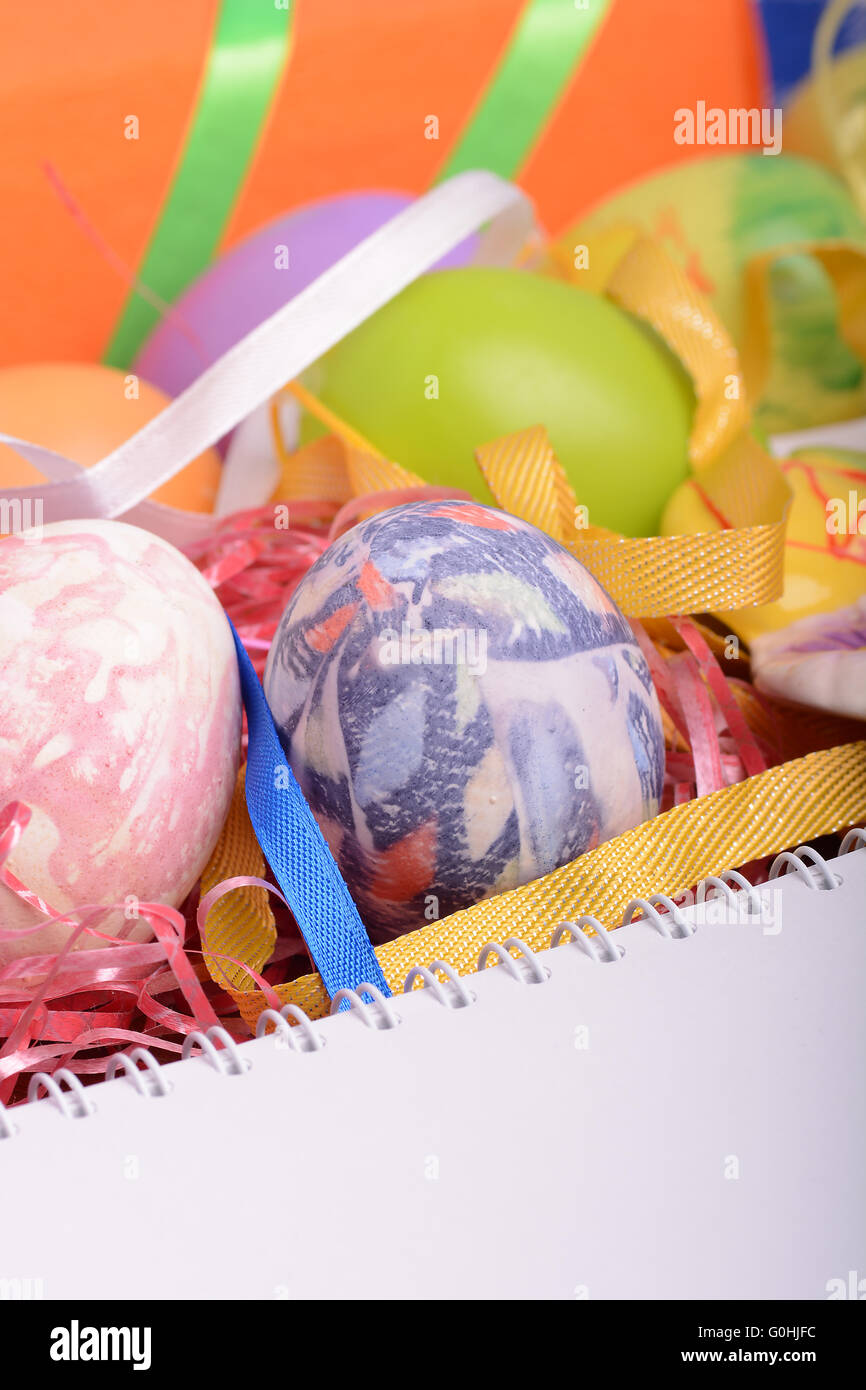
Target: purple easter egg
x,y
464,706
258,276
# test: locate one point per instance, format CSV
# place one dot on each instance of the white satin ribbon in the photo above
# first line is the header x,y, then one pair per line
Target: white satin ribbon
x,y
280,348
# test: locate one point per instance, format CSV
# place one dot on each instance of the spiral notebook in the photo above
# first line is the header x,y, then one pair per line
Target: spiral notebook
x,y
671,1111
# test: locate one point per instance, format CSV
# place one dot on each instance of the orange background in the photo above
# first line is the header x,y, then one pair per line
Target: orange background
x,y
349,114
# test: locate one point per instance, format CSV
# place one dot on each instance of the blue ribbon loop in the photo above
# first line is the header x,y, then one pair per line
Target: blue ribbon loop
x,y
298,853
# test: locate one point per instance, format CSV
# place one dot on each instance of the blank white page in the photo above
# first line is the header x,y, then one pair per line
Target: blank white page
x,y
685,1122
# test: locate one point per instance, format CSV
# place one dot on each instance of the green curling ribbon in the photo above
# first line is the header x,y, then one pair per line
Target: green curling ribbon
x,y
249,50
550,38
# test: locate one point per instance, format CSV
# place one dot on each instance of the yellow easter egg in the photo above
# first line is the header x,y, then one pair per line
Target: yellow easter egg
x,y
825,539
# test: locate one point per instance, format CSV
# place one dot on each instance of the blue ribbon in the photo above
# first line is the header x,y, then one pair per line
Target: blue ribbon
x,y
298,853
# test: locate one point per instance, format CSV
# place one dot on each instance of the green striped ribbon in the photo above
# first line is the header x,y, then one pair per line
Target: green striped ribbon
x,y
250,47
550,38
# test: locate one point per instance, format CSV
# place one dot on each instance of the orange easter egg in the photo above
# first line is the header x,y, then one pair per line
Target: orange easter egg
x,y
85,410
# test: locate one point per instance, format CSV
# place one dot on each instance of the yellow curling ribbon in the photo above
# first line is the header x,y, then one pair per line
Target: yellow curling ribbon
x,y
819,794
651,577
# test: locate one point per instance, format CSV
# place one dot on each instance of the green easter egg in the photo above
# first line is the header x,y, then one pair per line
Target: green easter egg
x,y
464,356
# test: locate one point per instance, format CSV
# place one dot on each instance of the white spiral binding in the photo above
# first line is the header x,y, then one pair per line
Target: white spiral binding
x,y
440,967
304,1038
722,884
379,1007
799,861
149,1079
649,909
234,1066
73,1102
610,951
537,973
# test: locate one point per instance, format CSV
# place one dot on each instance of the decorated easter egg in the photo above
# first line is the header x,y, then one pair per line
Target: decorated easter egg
x,y
464,356
720,219
84,411
825,537
121,723
464,707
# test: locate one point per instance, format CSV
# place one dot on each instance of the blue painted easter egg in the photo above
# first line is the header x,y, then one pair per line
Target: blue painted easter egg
x,y
464,707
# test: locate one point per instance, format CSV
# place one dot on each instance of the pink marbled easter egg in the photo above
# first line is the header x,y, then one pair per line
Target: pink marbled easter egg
x,y
120,718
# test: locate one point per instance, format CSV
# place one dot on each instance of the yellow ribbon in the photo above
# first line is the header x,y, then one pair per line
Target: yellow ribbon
x,y
816,795
737,566
651,577
240,925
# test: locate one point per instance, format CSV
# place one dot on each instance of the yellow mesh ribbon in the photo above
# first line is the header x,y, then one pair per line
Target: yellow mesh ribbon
x,y
240,924
650,577
815,795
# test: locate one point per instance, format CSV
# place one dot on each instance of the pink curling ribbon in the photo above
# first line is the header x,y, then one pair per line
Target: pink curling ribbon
x,y
747,745
696,705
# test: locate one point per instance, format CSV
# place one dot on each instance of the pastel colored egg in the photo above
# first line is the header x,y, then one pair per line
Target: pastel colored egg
x,y
120,725
717,217
464,356
464,707
818,661
254,279
85,410
825,537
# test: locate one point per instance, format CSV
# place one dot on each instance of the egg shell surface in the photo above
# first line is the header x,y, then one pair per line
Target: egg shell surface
x,y
461,357
464,707
120,719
